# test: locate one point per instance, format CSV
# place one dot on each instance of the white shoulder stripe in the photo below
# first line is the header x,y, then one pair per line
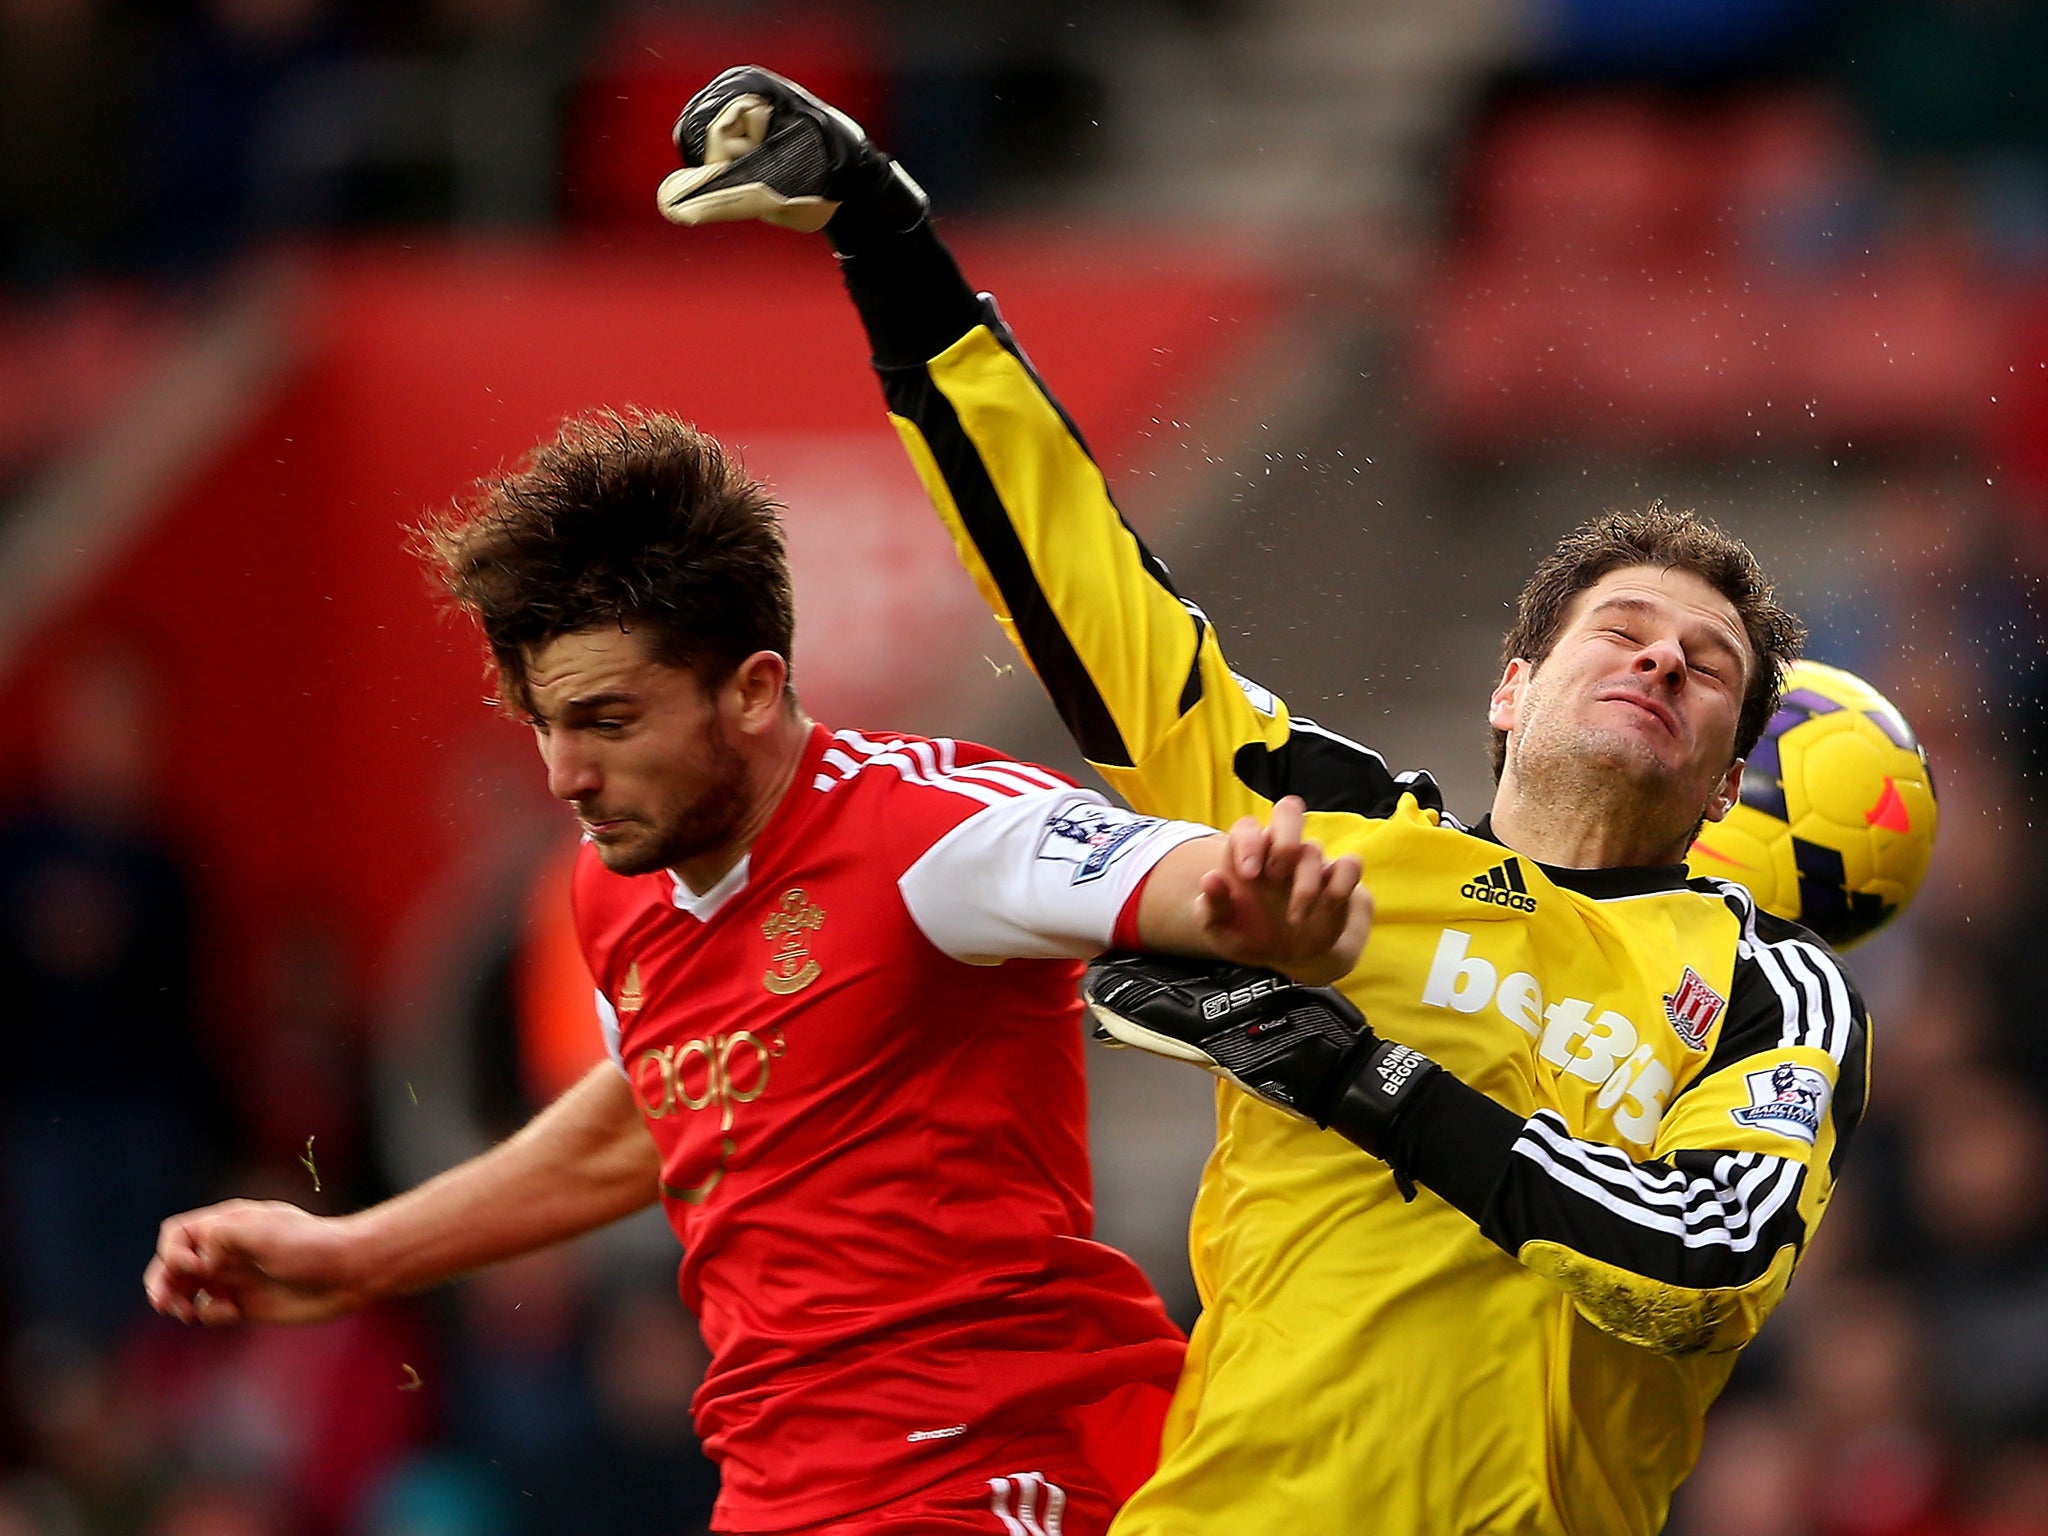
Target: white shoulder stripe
x,y
1743,899
1798,971
935,764
1811,993
1833,990
912,771
860,743
1818,1029
1019,778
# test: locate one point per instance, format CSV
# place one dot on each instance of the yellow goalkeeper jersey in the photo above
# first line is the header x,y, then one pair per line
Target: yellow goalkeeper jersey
x,y
1529,1344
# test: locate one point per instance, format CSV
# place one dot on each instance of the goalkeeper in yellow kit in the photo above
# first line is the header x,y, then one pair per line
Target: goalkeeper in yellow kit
x,y
1484,1268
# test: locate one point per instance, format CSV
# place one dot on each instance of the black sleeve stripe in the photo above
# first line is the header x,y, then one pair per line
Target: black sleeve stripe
x,y
1191,690
992,317
1852,1094
1329,772
1081,706
1000,329
1755,1021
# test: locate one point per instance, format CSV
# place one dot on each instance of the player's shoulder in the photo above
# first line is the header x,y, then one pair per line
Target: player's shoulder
x,y
1328,770
899,797
1788,979
941,773
1764,933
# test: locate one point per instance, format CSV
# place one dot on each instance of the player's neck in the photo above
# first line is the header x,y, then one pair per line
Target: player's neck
x,y
1571,832
771,768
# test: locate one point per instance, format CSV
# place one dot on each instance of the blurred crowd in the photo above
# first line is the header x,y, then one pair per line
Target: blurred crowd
x,y
162,135
149,147
1903,1388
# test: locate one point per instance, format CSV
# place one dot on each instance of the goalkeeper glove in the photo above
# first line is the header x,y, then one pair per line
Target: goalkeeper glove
x,y
757,146
1305,1050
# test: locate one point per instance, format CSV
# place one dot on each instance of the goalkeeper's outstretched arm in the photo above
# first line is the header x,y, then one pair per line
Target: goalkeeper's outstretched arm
x,y
1134,669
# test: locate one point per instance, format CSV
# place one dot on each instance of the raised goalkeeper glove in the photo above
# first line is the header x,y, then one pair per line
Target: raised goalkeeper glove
x,y
1305,1050
757,146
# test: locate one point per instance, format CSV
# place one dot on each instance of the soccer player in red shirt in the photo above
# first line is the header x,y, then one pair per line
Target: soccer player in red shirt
x,y
836,979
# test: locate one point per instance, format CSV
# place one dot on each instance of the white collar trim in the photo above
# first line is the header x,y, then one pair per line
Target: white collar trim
x,y
708,905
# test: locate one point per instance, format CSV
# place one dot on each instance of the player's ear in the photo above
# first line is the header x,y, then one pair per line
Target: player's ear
x,y
1729,791
1504,709
754,691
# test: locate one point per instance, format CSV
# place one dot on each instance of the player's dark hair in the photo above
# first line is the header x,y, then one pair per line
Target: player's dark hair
x,y
636,520
1679,541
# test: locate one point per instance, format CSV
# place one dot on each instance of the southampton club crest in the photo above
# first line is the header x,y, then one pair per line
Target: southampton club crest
x,y
787,930
1788,1099
1090,837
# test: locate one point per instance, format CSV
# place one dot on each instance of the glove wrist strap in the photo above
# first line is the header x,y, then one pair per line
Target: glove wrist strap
x,y
1380,1082
892,206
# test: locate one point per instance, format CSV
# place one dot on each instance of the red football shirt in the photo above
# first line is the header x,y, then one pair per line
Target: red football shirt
x,y
872,1134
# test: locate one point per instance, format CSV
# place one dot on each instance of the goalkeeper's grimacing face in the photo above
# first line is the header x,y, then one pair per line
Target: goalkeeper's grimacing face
x,y
651,759
1642,690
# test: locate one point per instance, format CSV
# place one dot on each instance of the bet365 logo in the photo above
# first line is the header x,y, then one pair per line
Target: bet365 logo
x,y
1604,1048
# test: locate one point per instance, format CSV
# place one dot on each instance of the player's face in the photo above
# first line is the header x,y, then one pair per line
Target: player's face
x,y
641,750
1646,680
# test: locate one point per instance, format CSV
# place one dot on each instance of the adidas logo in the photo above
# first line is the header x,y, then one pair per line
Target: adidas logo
x,y
1501,886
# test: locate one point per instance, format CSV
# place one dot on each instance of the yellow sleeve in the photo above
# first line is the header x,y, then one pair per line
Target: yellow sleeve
x,y
1134,668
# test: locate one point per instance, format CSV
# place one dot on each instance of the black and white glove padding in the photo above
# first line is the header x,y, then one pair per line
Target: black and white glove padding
x,y
757,146
1305,1050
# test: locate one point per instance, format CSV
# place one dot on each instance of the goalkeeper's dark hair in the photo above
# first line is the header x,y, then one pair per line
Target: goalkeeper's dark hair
x,y
1678,541
631,519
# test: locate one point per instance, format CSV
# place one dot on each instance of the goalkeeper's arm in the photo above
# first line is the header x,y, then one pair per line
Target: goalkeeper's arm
x,y
1134,669
1682,1253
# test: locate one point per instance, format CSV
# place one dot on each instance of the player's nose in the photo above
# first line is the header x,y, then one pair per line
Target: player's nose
x,y
1663,659
572,775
